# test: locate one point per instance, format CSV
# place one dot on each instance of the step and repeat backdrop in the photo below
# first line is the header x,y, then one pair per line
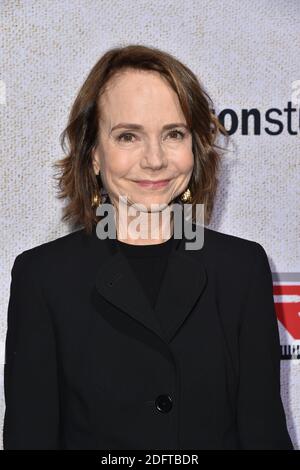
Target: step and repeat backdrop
x,y
246,54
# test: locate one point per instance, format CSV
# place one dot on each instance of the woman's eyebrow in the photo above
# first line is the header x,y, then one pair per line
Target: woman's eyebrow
x,y
129,125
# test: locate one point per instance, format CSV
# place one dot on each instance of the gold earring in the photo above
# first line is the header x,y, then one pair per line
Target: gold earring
x,y
95,200
99,197
96,196
186,196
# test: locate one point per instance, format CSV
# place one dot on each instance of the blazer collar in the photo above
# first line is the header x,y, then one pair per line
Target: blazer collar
x,y
183,283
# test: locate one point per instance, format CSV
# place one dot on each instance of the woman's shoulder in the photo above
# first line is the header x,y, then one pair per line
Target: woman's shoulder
x,y
231,249
236,261
219,239
48,253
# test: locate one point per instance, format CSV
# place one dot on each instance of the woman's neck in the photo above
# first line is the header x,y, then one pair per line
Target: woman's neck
x,y
145,228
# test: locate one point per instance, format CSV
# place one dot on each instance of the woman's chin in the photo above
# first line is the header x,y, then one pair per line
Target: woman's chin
x,y
151,205
146,203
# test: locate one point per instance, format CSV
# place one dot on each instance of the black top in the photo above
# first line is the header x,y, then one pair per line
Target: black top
x,y
148,263
86,368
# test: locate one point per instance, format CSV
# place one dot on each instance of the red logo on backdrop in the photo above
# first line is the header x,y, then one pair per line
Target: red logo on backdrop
x,y
287,306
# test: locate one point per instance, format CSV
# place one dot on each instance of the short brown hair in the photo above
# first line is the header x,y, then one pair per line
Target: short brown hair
x,y
76,178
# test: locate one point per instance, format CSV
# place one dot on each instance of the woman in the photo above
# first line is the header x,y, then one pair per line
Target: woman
x,y
136,342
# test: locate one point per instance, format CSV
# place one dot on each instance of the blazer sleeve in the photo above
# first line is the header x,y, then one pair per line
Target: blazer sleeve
x,y
31,419
260,413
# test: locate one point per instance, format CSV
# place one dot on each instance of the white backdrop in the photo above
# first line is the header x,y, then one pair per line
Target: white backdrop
x,y
247,56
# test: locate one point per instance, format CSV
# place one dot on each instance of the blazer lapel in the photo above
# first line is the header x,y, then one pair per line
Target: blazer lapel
x,y
117,283
183,283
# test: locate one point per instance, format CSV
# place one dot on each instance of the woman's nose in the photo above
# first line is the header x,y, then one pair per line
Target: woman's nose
x,y
154,155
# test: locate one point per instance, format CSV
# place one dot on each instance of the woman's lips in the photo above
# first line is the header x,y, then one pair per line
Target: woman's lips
x,y
152,184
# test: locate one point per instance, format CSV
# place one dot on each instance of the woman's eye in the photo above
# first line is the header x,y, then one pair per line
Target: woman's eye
x,y
120,137
181,134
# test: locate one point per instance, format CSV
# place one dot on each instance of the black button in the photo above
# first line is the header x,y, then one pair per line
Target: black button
x,y
163,403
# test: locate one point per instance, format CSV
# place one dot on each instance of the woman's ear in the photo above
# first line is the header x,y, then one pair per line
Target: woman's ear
x,y
95,160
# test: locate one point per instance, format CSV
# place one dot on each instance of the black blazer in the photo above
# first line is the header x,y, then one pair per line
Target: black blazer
x,y
90,365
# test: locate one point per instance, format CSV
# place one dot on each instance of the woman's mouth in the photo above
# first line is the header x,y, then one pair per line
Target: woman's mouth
x,y
153,184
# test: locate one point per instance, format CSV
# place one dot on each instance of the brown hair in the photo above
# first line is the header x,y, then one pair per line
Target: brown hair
x,y
76,178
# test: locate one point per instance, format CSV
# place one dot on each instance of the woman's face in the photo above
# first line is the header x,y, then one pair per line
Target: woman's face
x,y
142,138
